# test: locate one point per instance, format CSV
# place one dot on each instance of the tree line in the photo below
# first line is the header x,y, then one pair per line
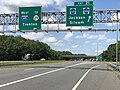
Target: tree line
x,y
16,47
110,53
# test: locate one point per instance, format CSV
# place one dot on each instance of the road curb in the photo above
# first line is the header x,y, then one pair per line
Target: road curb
x,y
115,67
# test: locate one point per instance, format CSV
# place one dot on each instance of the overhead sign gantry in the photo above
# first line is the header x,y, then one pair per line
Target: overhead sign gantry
x,y
27,22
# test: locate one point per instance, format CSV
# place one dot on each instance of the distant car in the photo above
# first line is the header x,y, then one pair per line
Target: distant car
x,y
42,59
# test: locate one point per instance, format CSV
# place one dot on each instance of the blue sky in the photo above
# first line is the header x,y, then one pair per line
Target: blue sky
x,y
76,42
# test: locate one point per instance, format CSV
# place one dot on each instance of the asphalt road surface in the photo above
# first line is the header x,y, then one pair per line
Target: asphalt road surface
x,y
74,75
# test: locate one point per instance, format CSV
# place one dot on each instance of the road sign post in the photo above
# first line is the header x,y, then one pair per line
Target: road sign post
x,y
30,18
79,15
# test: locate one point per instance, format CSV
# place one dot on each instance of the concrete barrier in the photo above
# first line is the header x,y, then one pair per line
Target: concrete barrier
x,y
114,66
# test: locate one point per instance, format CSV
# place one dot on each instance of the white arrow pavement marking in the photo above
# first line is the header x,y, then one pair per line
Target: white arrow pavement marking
x,y
80,81
42,74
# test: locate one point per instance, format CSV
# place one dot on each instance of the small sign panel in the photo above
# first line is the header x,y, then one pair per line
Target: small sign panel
x,y
83,3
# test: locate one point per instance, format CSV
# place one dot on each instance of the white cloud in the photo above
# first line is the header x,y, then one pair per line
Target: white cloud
x,y
61,4
89,36
78,37
1,34
49,40
67,50
75,46
88,53
28,2
110,40
33,36
59,43
13,5
102,37
68,36
10,6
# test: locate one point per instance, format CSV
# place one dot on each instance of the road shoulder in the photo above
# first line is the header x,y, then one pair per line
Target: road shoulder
x,y
101,79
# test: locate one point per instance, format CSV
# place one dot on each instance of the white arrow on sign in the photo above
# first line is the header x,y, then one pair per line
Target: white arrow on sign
x,y
89,18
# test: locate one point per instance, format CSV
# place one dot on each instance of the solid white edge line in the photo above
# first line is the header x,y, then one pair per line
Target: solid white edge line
x,y
35,76
80,81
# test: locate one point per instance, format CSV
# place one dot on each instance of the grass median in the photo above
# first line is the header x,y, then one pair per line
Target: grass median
x,y
18,64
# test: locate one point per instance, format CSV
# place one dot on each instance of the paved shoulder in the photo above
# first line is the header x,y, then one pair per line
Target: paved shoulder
x,y
100,79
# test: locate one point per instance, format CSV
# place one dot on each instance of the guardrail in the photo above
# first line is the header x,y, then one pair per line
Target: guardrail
x,y
115,67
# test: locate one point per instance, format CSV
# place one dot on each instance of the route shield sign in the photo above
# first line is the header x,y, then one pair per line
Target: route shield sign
x,y
30,18
79,15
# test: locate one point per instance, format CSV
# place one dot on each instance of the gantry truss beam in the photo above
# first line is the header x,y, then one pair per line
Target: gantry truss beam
x,y
62,30
100,16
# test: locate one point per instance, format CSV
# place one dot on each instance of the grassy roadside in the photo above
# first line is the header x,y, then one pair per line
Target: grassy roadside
x,y
118,77
118,64
22,64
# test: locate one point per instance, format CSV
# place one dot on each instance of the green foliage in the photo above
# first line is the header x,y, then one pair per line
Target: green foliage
x,y
118,77
14,48
65,52
110,53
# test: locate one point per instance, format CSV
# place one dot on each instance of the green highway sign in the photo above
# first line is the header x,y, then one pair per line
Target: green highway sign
x,y
79,15
30,18
83,3
99,57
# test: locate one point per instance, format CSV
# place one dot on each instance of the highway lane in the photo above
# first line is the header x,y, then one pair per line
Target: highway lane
x,y
14,71
19,73
60,76
10,72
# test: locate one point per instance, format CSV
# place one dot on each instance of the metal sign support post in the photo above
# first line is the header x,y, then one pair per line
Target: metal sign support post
x,y
117,41
117,45
4,24
97,49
